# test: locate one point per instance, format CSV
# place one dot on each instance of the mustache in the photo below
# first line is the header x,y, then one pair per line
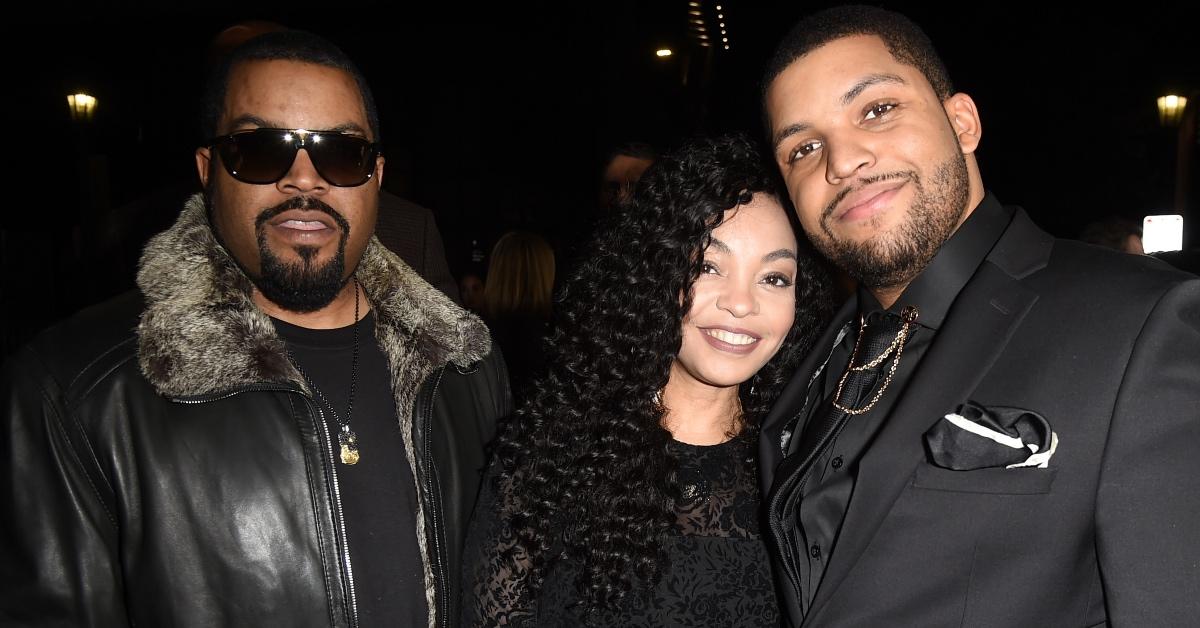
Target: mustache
x,y
827,213
305,203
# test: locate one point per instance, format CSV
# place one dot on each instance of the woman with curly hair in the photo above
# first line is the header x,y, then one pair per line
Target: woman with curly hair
x,y
625,491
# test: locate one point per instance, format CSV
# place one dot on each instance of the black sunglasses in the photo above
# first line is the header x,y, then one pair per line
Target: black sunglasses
x,y
262,156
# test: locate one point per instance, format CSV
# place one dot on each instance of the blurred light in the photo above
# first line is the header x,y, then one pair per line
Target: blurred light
x,y
702,36
722,31
663,52
722,24
694,12
727,46
1170,109
720,17
83,106
718,7
725,40
1162,233
693,4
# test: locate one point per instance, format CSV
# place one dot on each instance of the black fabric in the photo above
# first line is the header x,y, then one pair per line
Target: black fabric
x,y
718,571
952,447
879,342
522,342
378,493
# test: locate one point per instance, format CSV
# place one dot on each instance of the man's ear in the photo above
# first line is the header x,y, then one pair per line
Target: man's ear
x,y
378,177
964,119
203,165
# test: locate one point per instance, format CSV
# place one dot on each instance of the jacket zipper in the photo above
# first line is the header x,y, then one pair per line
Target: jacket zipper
x,y
341,518
440,587
198,399
337,494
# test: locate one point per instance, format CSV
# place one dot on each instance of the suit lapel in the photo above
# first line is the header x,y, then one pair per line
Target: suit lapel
x,y
791,400
983,318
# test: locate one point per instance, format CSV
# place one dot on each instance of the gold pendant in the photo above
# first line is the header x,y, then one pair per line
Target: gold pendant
x,y
349,442
349,454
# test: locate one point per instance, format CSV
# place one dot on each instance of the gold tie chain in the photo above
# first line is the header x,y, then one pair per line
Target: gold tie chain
x,y
909,315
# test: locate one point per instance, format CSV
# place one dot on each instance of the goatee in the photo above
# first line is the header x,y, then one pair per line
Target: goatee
x,y
895,258
303,286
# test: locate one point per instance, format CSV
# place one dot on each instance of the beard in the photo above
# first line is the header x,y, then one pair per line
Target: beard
x,y
303,286
893,259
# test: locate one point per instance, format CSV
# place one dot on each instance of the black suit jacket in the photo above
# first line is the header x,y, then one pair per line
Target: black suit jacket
x,y
1106,346
409,231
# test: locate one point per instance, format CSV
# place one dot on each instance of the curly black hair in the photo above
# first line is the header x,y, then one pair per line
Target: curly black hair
x,y
584,464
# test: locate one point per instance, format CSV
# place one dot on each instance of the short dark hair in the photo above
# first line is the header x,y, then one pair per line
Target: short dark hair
x,y
902,37
289,45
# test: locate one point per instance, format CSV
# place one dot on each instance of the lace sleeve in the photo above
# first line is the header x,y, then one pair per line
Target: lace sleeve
x,y
497,570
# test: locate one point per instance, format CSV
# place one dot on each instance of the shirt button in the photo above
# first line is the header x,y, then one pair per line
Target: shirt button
x,y
836,462
815,551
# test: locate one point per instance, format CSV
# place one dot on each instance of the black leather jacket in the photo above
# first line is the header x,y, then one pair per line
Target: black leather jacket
x,y
181,474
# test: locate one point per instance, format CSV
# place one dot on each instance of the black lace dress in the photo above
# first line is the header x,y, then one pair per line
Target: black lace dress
x,y
718,574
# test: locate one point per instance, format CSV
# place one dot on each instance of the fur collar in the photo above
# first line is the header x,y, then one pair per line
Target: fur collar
x,y
201,333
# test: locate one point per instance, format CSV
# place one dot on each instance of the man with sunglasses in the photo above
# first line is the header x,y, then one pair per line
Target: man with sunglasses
x,y
284,425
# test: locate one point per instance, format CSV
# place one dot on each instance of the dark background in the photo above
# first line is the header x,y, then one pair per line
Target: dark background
x,y
500,117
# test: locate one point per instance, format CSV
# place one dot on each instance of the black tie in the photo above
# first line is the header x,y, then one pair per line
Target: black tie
x,y
877,335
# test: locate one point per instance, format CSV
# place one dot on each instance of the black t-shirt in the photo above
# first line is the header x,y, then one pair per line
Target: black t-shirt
x,y
378,494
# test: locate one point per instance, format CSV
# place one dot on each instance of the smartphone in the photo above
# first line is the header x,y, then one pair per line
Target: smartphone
x,y
1162,233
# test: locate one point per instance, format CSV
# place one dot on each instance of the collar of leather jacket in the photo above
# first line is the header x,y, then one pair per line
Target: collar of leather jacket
x,y
201,333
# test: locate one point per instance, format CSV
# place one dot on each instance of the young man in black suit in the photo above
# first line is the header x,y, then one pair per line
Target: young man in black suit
x,y
999,428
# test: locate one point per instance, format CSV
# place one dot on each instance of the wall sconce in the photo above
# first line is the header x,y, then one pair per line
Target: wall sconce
x,y
83,106
1170,109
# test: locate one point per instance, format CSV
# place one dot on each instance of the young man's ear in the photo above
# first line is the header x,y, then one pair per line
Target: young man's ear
x,y
964,119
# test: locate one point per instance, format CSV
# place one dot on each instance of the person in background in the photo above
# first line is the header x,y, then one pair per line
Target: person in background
x,y
517,302
471,286
624,166
1118,234
410,231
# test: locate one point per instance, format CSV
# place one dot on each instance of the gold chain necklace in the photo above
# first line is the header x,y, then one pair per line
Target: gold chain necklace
x,y
897,345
